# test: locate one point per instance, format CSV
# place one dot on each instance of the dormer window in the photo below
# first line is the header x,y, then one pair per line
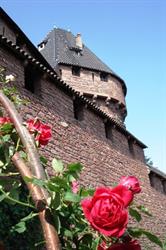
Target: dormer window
x,y
104,77
76,71
42,45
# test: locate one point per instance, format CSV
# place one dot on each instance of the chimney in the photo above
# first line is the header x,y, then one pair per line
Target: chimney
x,y
79,41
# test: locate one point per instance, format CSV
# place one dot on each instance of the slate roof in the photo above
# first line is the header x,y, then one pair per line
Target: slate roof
x,y
60,48
61,44
157,171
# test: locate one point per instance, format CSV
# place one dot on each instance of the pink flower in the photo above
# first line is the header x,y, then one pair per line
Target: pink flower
x,y
106,210
131,182
4,120
131,245
75,187
42,132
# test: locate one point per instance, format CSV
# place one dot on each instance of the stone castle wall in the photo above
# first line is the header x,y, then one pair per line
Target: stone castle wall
x,y
108,95
104,160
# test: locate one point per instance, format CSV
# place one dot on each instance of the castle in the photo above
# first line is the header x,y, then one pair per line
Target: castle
x,y
69,87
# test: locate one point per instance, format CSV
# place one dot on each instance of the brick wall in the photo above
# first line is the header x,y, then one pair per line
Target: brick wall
x,y
105,160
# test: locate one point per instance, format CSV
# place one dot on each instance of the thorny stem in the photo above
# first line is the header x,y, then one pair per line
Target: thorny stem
x,y
7,196
26,139
50,234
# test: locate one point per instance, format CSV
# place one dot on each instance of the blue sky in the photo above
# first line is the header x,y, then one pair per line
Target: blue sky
x,y
129,36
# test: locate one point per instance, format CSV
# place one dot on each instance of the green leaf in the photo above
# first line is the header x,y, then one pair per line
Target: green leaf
x,y
61,183
57,165
23,154
86,192
135,214
29,216
14,193
35,181
75,167
2,197
7,128
43,160
68,233
55,203
87,239
57,222
11,150
135,232
95,243
84,247
1,164
27,179
19,227
153,238
70,178
72,197
6,138
52,186
144,210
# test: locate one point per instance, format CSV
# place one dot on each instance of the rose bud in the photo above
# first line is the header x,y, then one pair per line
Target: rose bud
x,y
131,182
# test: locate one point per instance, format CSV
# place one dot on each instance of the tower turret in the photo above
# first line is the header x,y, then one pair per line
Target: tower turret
x,y
83,70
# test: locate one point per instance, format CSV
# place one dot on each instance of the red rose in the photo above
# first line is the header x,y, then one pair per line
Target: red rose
x,y
131,245
106,210
42,132
33,125
131,182
4,120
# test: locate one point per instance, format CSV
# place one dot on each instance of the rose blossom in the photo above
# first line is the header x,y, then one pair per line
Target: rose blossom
x,y
106,210
33,125
75,187
131,245
42,132
44,135
4,120
131,182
